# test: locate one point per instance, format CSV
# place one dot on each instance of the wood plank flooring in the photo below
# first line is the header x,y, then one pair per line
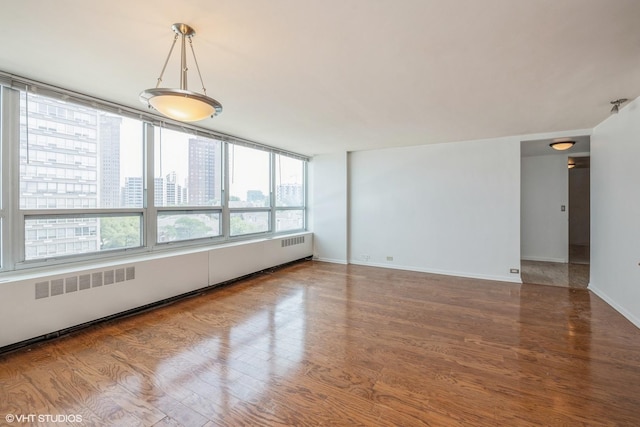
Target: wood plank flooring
x,y
323,344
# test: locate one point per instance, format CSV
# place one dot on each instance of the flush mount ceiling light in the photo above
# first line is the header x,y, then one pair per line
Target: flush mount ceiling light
x,y
616,105
562,145
181,104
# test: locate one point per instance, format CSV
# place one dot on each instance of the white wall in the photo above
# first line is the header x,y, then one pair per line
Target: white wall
x,y
157,277
545,228
328,205
446,208
615,211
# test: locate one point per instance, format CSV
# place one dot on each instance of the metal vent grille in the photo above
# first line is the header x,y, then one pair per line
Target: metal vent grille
x,y
292,241
96,279
108,277
57,287
42,290
71,284
83,282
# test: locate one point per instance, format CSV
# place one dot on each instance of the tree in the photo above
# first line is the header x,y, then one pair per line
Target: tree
x,y
239,225
189,228
119,232
184,228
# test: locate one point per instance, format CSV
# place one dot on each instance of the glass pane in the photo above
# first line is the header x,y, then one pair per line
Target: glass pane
x,y
248,177
289,220
188,169
175,226
75,157
249,222
289,181
56,237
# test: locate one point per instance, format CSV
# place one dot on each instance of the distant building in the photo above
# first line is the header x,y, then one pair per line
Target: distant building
x,y
133,192
109,173
59,154
175,194
202,172
158,191
290,195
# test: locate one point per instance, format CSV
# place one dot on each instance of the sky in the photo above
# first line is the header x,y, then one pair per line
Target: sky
x,y
252,173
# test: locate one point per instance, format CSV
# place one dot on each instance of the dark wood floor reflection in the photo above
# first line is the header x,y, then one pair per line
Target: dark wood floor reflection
x,y
324,344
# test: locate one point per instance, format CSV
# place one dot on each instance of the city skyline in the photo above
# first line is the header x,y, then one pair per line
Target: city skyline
x,y
72,158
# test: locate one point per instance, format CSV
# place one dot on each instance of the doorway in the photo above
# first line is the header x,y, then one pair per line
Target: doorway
x,y
555,214
579,209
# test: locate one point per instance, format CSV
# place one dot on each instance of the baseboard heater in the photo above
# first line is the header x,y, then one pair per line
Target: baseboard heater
x,y
138,310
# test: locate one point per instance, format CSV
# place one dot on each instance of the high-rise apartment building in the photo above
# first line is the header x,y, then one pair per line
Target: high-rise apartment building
x,y
175,194
133,191
202,172
69,159
290,194
109,161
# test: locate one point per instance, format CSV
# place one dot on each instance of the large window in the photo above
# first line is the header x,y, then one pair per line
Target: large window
x,y
188,175
249,190
75,160
290,197
94,179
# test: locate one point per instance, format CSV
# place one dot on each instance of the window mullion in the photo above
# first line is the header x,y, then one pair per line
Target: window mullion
x,y
272,190
305,194
150,215
13,223
226,217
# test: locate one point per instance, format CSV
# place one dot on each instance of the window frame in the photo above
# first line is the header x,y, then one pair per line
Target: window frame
x,y
302,207
256,209
13,218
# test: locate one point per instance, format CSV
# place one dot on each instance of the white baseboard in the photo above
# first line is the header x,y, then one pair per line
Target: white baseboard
x,y
630,316
509,279
331,260
544,259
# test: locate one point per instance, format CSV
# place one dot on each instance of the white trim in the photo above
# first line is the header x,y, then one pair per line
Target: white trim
x,y
443,272
629,316
331,260
544,259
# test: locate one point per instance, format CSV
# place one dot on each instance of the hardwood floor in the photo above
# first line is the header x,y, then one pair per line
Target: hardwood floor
x,y
325,344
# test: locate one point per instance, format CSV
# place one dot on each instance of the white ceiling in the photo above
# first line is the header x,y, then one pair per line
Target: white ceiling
x,y
321,76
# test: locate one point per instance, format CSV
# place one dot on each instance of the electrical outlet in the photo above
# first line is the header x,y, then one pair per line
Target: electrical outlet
x,y
514,271
389,258
366,257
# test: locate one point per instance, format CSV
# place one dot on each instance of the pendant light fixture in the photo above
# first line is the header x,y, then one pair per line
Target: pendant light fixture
x,y
562,145
181,104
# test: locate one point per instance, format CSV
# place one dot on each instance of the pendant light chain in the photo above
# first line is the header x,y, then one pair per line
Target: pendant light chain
x,y
204,90
175,39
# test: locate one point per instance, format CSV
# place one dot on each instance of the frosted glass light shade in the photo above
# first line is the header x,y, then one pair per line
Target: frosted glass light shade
x,y
182,105
562,145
